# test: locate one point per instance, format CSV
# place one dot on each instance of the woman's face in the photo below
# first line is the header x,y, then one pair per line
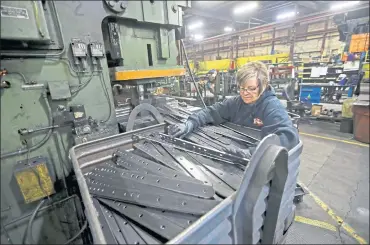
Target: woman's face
x,y
249,91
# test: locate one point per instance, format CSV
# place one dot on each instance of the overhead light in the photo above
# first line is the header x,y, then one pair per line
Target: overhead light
x,y
195,25
228,29
244,8
342,5
197,37
286,15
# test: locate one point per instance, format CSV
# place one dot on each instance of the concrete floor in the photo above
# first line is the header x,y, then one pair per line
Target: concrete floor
x,y
338,174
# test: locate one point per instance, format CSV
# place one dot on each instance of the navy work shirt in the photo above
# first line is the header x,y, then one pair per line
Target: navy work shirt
x,y
266,114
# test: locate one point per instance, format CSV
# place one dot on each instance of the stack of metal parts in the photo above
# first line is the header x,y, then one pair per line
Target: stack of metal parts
x,y
235,136
123,112
152,194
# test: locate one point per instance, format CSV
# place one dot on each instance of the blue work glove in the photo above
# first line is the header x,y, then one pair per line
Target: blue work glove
x,y
244,153
181,130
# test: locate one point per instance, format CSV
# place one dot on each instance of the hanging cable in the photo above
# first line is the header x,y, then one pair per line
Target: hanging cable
x,y
191,74
82,85
83,228
28,231
106,93
21,75
6,234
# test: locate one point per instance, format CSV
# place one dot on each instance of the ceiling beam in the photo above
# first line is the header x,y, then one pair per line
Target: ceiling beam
x,y
193,11
215,17
308,4
224,5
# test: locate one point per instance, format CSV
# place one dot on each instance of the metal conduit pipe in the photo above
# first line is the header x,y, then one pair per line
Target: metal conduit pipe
x,y
316,16
16,220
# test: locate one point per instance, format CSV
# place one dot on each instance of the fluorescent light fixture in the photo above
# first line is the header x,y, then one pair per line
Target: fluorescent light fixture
x,y
195,25
244,8
197,37
228,29
286,15
343,5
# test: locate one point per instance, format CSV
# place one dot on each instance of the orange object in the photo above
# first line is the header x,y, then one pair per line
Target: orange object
x,y
359,43
232,65
142,74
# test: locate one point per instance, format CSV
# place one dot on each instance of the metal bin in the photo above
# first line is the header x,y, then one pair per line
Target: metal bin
x,y
264,199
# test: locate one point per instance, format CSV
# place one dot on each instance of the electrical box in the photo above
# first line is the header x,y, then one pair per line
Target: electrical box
x,y
79,48
96,50
79,115
23,21
34,179
114,41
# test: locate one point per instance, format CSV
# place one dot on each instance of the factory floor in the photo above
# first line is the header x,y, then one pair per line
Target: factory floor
x,y
335,170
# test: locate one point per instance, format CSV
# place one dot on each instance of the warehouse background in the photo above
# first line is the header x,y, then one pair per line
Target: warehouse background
x,y
309,34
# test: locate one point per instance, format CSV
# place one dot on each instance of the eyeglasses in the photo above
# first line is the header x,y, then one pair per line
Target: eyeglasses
x,y
250,90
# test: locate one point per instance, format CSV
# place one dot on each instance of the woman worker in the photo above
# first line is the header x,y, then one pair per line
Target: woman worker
x,y
257,106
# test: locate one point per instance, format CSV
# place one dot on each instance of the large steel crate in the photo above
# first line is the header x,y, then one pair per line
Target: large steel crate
x,y
259,212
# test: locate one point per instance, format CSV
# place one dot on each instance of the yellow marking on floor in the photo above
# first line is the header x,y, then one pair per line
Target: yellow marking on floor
x,y
335,217
316,223
333,139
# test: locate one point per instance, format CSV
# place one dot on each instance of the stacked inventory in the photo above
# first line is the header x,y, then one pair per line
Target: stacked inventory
x,y
325,82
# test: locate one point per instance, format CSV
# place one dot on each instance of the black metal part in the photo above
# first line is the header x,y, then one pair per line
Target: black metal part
x,y
127,231
136,163
157,154
108,234
230,134
162,227
230,179
149,239
201,139
201,149
184,187
198,149
113,226
140,108
183,220
117,184
215,136
231,169
182,204
190,167
160,149
228,174
251,133
196,139
137,180
221,188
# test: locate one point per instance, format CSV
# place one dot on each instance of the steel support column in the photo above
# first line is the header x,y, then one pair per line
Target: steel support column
x,y
324,37
218,48
202,47
273,41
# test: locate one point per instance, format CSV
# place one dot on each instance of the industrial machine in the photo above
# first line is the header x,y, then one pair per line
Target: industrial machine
x,y
89,75
224,87
59,63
